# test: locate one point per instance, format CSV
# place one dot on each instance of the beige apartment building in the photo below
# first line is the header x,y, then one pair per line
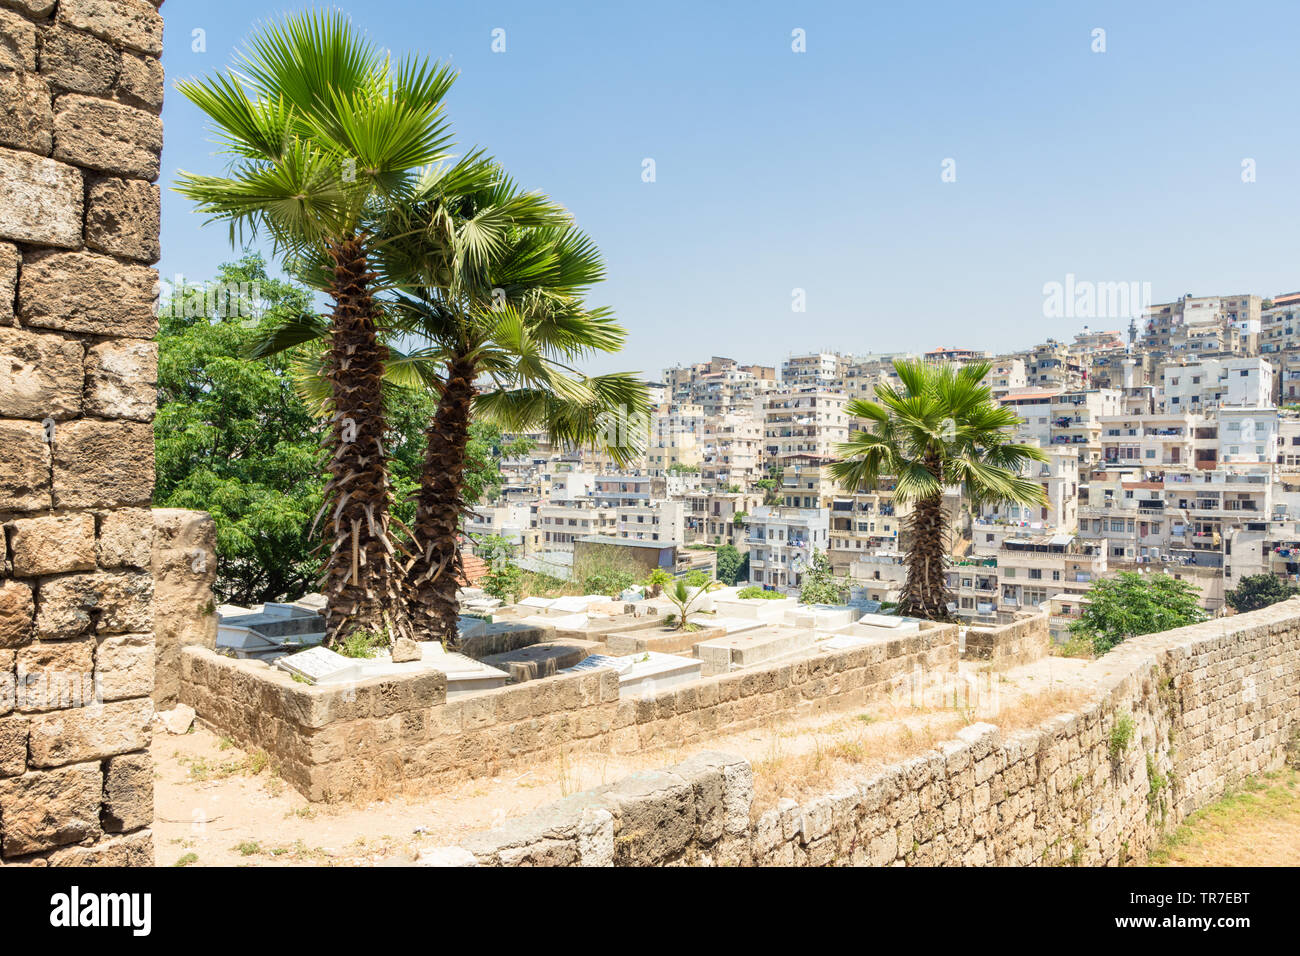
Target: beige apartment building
x,y
803,423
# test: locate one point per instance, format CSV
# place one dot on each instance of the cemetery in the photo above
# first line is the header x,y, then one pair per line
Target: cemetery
x,y
578,674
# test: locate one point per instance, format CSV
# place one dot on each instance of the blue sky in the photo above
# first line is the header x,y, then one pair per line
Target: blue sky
x,y
821,170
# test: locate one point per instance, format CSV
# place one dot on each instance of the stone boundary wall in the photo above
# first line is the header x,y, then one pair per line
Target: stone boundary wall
x,y
80,143
364,740
1179,718
1021,642
184,560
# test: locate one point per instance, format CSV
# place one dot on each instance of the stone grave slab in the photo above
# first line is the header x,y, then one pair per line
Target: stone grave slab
x,y
564,654
748,648
464,674
320,665
652,672
619,664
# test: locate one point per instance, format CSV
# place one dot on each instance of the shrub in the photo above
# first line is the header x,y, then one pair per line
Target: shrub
x,y
361,643
656,581
1121,735
1131,604
754,592
610,582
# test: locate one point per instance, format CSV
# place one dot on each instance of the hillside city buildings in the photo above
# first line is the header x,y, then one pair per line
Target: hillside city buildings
x,y
1172,445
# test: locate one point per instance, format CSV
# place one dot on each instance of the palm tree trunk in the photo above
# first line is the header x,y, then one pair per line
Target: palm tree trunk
x,y
434,574
361,575
925,594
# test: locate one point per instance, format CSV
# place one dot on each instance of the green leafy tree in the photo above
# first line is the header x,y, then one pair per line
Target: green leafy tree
x,y
729,562
818,583
771,488
234,437
503,579
325,131
1259,591
942,429
1131,604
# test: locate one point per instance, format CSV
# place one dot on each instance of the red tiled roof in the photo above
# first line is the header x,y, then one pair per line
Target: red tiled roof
x,y
474,569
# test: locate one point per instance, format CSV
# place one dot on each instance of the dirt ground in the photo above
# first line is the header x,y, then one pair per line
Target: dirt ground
x,y
1258,824
217,805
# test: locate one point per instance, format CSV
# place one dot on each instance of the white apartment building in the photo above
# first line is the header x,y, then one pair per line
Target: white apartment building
x,y
1034,408
863,525
561,523
661,522
1158,441
1248,436
815,370
781,543
1059,478
1076,420
1205,385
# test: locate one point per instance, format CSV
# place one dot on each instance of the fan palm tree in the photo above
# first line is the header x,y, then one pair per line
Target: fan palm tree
x,y
495,282
325,132
942,429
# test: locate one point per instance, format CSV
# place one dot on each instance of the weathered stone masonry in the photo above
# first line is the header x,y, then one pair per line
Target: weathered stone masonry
x,y
1179,718
360,740
80,143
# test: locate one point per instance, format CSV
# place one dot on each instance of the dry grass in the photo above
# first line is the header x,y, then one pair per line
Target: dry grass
x,y
1257,825
867,741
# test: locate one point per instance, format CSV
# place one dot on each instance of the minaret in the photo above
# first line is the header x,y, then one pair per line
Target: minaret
x,y
1132,332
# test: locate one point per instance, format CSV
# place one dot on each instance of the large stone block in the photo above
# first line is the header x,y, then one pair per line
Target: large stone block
x,y
109,602
8,683
124,666
40,200
34,8
87,292
184,569
13,747
17,42
27,120
142,81
122,218
126,538
41,376
120,379
78,62
131,849
44,809
52,545
107,136
128,793
17,613
102,464
24,467
9,259
89,733
131,23
55,675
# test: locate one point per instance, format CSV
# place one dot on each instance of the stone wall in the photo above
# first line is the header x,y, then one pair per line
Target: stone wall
x,y
1011,645
184,561
362,740
1179,718
80,140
